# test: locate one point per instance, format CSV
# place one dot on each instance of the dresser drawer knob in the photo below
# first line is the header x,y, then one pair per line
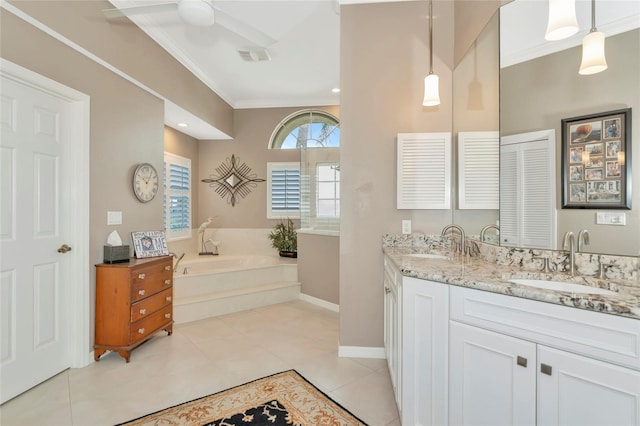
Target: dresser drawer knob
x,y
168,299
141,292
143,311
141,276
167,315
167,282
141,330
167,268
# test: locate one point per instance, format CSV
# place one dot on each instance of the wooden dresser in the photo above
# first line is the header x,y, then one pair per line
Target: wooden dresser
x,y
133,301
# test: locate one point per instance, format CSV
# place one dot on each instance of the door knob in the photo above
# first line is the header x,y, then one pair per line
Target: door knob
x,y
64,248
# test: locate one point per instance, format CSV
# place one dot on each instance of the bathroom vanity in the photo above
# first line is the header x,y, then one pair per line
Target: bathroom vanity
x,y
465,345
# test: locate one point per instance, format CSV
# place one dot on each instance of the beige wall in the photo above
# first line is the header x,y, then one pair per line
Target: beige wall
x,y
252,130
126,129
123,45
476,97
382,89
185,146
319,266
538,94
471,16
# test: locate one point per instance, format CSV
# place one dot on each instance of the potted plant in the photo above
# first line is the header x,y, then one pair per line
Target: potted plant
x,y
285,239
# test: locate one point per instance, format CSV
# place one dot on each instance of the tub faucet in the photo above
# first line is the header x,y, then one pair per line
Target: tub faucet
x,y
583,240
175,265
460,230
486,228
569,238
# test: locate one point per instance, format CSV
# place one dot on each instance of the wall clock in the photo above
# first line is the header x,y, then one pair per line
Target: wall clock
x,y
145,182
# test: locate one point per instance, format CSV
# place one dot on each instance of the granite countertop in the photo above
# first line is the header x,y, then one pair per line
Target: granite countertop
x,y
476,273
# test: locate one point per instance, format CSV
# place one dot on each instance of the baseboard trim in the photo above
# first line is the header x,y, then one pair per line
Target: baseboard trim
x,y
361,352
319,302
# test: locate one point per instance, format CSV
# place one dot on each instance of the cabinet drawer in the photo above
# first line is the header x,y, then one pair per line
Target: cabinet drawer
x,y
151,304
146,281
607,337
141,329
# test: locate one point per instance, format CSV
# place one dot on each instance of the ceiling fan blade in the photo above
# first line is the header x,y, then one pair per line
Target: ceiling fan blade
x,y
245,31
137,10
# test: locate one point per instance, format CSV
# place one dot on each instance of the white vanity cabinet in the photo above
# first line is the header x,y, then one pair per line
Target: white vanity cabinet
x,y
392,326
425,324
508,374
462,356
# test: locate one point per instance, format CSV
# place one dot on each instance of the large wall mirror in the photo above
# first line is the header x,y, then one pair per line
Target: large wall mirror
x,y
540,86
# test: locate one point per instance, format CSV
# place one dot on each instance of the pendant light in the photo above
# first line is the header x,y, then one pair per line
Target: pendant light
x,y
562,21
431,81
593,60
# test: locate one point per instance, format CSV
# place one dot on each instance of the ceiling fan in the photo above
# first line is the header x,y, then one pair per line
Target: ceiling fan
x,y
201,13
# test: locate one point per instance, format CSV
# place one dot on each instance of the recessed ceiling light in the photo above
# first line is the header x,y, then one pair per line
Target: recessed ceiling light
x,y
182,124
336,90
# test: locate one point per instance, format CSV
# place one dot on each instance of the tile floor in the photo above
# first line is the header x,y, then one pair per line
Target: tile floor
x,y
208,356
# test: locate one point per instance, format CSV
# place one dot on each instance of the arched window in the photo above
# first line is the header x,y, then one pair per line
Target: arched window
x,y
306,129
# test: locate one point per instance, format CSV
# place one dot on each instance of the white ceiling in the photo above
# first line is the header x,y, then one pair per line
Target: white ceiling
x,y
523,24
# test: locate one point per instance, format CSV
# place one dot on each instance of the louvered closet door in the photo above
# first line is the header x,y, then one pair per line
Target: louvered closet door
x,y
509,190
537,203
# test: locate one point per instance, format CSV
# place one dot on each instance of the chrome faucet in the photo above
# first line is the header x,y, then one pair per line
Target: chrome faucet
x,y
583,239
570,239
175,266
486,228
460,230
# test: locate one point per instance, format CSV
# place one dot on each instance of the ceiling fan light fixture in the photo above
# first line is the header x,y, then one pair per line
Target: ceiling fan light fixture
x,y
199,13
562,21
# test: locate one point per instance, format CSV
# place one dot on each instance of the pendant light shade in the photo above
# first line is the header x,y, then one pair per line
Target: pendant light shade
x,y
562,21
431,81
431,92
593,59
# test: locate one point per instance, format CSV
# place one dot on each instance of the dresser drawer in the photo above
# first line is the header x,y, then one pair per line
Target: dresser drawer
x,y
146,281
141,329
151,304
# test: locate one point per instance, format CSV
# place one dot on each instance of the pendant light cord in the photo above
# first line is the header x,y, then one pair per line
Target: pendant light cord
x,y
431,37
593,16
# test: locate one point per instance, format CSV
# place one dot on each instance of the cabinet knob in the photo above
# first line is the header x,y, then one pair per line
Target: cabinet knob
x,y
143,311
141,276
545,369
387,289
167,282
141,330
141,292
167,315
522,361
168,299
167,268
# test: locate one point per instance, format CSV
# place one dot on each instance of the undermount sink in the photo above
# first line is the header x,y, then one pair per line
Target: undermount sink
x,y
428,256
562,286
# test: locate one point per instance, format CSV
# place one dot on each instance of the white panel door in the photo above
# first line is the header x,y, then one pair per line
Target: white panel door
x,y
492,378
580,391
34,274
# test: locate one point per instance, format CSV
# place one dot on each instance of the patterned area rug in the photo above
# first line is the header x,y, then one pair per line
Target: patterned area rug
x,y
285,398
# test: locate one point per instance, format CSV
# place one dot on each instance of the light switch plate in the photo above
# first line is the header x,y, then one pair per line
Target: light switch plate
x,y
114,218
611,218
406,227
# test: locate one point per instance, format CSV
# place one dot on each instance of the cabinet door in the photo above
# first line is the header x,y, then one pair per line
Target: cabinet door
x,y
582,391
492,378
391,332
425,324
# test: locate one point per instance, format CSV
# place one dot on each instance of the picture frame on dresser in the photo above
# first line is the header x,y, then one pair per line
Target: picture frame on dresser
x,y
596,161
149,244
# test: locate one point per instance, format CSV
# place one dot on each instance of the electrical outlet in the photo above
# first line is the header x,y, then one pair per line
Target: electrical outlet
x,y
406,227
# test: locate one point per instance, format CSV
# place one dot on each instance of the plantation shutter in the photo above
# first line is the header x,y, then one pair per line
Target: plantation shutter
x,y
177,196
284,190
